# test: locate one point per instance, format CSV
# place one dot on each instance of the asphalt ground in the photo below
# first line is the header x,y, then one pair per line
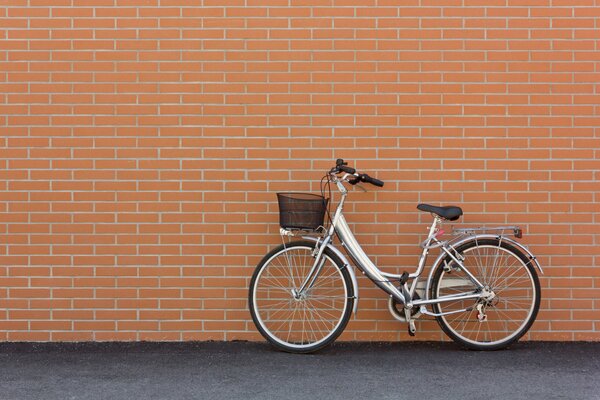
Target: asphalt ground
x,y
244,370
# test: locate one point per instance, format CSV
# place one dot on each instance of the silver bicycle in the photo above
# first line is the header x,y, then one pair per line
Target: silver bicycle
x,y
483,288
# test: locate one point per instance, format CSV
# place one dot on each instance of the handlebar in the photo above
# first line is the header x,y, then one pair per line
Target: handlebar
x,y
341,166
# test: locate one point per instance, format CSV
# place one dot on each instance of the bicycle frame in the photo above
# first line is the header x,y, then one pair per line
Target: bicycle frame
x,y
403,294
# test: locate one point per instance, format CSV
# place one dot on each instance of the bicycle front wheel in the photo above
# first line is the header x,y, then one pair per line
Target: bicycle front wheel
x,y
502,269
300,322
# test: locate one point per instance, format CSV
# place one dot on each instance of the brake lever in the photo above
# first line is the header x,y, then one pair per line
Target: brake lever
x,y
361,187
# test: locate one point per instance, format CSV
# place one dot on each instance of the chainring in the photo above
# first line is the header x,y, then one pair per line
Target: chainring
x,y
398,313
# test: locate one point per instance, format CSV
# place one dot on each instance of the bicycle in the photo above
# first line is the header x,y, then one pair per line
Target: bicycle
x,y
483,288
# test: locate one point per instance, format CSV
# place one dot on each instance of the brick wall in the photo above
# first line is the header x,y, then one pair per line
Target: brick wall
x,y
142,143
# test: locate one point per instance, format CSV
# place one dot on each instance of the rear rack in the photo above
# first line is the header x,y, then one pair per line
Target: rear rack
x,y
516,230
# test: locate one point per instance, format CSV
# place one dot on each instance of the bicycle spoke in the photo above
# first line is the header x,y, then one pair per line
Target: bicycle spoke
x,y
516,303
504,277
507,267
322,311
314,311
276,284
279,304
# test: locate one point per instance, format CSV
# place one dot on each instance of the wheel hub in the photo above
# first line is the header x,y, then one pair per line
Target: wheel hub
x,y
487,295
299,296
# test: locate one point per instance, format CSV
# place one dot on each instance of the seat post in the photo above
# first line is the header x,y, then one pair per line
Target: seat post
x,y
432,229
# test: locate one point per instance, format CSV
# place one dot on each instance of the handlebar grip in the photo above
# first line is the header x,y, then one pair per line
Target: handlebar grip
x,y
373,181
346,169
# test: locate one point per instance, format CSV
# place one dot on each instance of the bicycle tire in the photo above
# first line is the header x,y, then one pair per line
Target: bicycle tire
x,y
335,267
523,269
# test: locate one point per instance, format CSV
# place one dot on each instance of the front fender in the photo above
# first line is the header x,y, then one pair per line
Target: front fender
x,y
512,242
348,267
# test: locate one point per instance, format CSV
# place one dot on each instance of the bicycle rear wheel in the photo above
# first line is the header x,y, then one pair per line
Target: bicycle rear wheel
x,y
501,268
300,323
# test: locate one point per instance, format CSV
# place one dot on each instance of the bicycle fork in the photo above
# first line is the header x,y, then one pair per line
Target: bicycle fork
x,y
316,268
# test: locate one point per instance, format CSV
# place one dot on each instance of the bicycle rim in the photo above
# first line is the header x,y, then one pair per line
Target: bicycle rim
x,y
294,323
508,315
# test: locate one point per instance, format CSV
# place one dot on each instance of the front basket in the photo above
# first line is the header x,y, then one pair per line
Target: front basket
x,y
301,210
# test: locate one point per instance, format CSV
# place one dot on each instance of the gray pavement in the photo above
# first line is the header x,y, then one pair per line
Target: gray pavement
x,y
241,370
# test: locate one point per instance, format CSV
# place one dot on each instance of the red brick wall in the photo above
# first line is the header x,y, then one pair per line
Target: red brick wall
x,y
142,143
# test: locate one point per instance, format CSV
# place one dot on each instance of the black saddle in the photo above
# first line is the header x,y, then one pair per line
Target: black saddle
x,y
451,213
